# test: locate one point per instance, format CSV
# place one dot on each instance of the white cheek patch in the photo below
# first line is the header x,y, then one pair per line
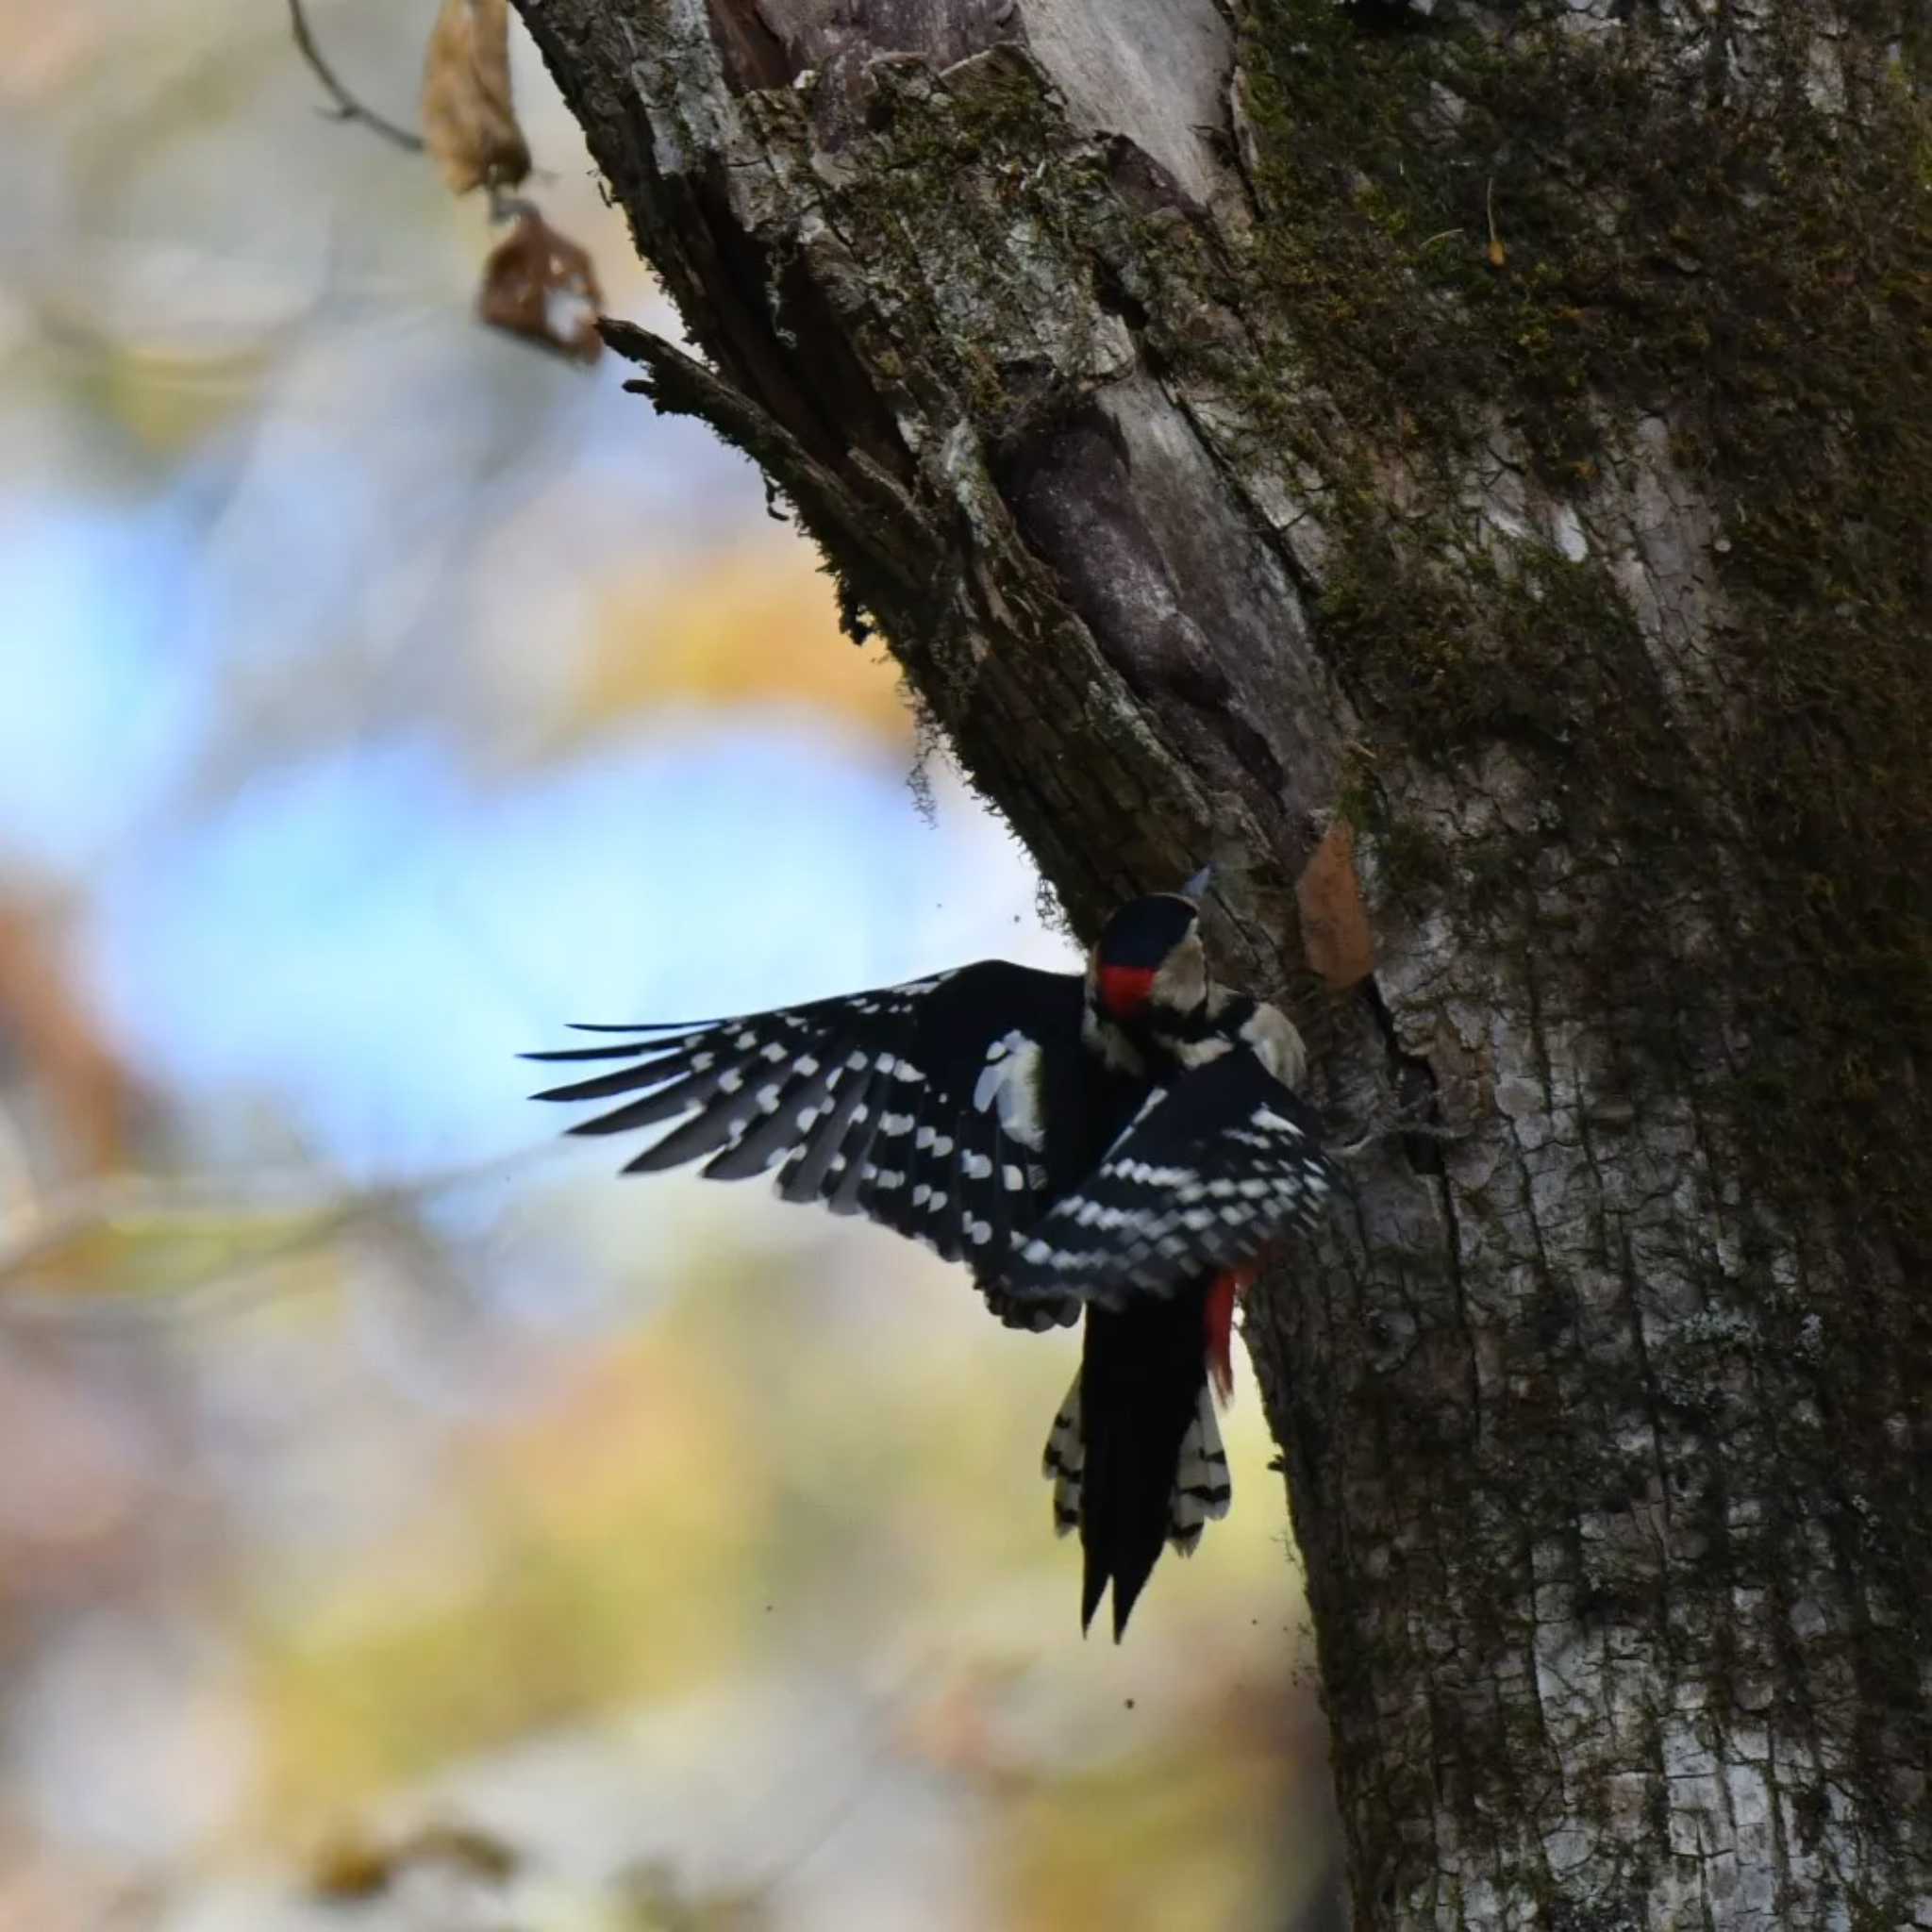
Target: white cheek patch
x,y
1011,1084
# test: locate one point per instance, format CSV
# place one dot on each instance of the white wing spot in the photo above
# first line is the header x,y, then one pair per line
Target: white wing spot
x,y
1010,1084
1145,1174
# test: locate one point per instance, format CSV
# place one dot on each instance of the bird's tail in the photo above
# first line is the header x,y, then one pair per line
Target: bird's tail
x,y
1135,1453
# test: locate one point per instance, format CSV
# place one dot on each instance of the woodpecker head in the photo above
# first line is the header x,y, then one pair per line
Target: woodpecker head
x,y
1148,962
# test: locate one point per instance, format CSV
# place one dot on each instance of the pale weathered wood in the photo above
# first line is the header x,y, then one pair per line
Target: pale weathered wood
x,y
1509,435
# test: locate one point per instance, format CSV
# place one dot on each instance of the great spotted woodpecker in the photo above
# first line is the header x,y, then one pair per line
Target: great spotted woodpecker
x,y
1127,1141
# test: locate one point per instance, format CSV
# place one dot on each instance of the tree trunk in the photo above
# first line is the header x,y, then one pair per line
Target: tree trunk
x,y
1510,435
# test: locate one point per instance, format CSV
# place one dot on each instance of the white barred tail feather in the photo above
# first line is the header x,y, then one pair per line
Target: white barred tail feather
x,y
1064,1460
1202,1488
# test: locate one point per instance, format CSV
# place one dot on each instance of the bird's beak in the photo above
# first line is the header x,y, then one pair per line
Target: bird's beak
x,y
1198,884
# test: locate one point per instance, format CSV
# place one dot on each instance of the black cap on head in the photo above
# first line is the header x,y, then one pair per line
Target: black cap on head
x,y
1144,931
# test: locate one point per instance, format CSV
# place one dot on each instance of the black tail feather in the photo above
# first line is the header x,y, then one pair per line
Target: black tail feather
x,y
1141,1373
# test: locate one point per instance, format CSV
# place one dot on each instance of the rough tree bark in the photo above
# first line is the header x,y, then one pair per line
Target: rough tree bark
x,y
1510,434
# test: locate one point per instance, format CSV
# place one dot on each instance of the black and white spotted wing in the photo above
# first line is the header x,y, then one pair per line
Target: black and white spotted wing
x,y
1212,1168
927,1107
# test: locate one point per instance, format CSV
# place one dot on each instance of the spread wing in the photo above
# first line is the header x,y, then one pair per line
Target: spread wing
x,y
925,1106
1214,1167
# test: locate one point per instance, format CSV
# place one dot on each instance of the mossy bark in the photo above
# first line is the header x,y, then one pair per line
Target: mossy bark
x,y
1511,432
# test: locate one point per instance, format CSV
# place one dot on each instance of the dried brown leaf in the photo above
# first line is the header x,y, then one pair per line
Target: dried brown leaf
x,y
1335,923
468,121
540,285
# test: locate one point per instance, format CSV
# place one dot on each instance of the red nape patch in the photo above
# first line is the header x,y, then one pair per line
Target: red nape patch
x,y
1125,989
1218,1325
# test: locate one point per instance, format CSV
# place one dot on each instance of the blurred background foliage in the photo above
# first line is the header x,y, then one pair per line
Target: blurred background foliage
x,y
400,1521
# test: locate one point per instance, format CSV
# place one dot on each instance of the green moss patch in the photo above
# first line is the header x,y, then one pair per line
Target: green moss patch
x,y
1571,234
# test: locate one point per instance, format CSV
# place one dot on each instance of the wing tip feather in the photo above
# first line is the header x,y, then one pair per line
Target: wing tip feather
x,y
642,1025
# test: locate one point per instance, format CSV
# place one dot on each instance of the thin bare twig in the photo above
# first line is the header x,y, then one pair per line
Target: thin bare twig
x,y
506,206
347,107
313,1217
